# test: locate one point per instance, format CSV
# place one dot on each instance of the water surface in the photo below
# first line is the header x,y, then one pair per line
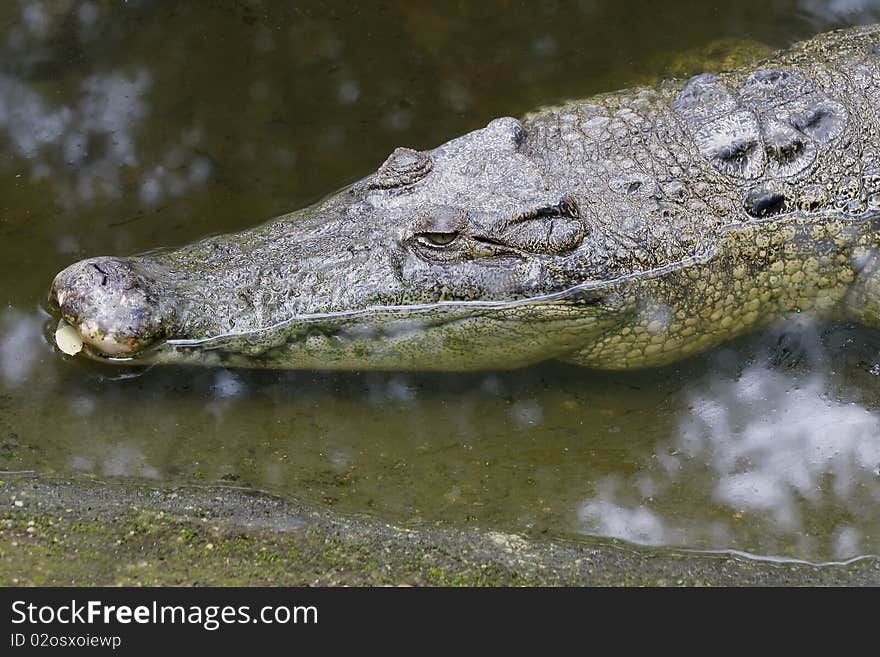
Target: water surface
x,y
130,126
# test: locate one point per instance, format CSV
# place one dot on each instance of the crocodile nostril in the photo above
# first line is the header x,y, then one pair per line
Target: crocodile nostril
x,y
762,203
103,273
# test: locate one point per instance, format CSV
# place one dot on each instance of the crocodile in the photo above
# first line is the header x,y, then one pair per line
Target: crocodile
x,y
628,230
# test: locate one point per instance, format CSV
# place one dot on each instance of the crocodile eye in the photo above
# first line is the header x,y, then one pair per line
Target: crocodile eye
x,y
437,240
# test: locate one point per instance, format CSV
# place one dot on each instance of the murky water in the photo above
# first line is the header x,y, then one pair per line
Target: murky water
x,y
127,126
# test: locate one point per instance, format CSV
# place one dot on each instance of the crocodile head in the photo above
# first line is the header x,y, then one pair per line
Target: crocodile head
x,y
625,231
456,258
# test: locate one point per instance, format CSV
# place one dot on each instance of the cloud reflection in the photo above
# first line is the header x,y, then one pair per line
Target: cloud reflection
x,y
832,11
117,461
93,136
83,138
764,462
20,345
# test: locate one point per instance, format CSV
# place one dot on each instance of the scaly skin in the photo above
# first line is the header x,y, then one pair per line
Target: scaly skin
x,y
629,230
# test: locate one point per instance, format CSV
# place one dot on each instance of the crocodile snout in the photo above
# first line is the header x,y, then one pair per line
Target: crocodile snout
x,y
114,307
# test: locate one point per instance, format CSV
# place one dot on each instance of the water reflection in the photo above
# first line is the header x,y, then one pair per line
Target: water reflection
x,y
91,141
767,450
21,345
846,11
90,135
120,461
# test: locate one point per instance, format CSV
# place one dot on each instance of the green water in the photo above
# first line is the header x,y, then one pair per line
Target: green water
x,y
129,126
